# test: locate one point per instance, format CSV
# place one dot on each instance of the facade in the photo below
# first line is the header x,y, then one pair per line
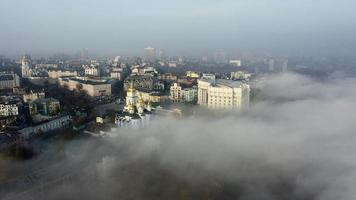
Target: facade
x,y
192,74
91,71
54,124
144,83
237,63
59,73
32,96
48,107
9,81
190,95
223,94
7,110
240,75
176,93
116,75
93,88
26,66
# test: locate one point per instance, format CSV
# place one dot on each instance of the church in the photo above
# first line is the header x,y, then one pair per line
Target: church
x,y
137,113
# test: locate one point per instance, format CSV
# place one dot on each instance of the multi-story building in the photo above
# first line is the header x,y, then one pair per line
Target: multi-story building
x,y
190,95
236,63
240,75
91,71
176,93
149,54
9,106
26,66
61,73
278,65
9,81
32,96
223,94
93,87
49,107
144,83
45,127
192,74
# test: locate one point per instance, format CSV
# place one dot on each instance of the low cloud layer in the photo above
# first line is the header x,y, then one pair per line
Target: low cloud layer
x,y
297,142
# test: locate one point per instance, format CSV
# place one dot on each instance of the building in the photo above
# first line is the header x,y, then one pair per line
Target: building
x,y
48,107
10,106
45,127
176,93
190,95
223,94
92,87
237,63
192,74
9,81
61,73
46,66
240,75
32,96
26,66
278,65
168,77
149,55
91,71
144,83
137,113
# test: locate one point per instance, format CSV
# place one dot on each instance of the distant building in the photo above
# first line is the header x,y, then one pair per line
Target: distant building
x,y
149,54
93,88
237,63
91,71
26,66
176,93
61,73
49,107
46,66
144,83
9,81
240,75
278,65
223,94
192,74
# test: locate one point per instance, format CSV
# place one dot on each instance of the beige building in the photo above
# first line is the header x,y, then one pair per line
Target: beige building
x,y
92,87
223,94
59,73
32,96
176,93
9,81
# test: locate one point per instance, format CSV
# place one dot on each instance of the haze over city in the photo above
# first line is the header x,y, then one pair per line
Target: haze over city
x,y
109,27
181,100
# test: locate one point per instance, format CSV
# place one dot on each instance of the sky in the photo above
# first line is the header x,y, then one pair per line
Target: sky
x,y
119,27
297,142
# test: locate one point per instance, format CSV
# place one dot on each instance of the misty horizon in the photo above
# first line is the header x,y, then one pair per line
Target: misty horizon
x,y
192,28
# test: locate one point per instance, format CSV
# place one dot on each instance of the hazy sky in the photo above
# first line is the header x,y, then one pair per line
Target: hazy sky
x,y
178,27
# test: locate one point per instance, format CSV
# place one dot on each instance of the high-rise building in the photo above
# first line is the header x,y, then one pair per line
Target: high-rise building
x,y
223,94
149,54
278,65
176,93
26,66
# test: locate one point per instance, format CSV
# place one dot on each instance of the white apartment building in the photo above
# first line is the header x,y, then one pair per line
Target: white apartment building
x,y
7,110
223,94
190,95
176,93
